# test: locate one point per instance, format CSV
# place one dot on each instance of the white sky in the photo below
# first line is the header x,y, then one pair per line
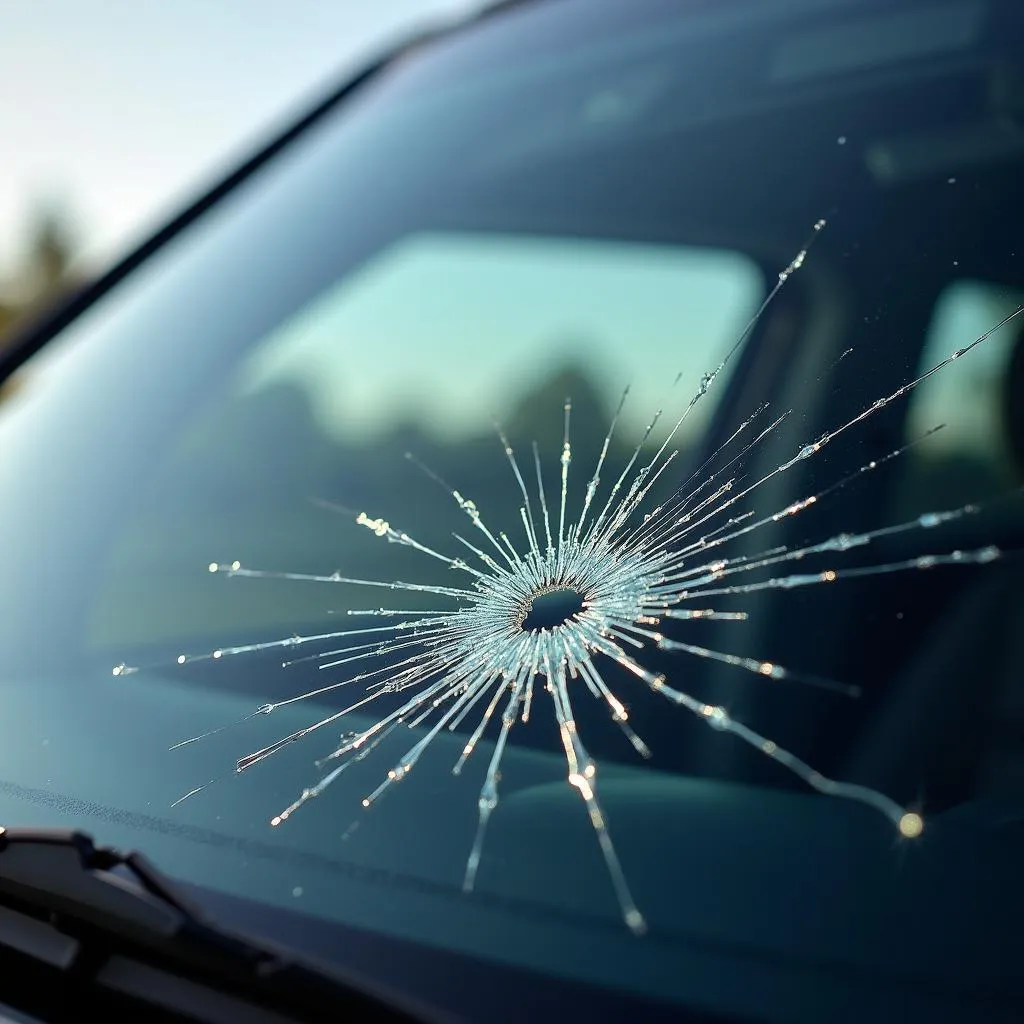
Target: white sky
x,y
122,109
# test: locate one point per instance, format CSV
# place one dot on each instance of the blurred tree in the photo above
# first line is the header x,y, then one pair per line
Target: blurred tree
x,y
45,271
50,252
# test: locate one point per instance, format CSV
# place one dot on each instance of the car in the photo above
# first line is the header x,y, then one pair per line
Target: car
x,y
542,536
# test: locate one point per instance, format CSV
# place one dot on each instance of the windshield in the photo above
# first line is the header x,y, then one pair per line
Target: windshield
x,y
563,509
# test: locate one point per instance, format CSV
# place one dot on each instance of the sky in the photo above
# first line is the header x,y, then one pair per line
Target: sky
x,y
120,110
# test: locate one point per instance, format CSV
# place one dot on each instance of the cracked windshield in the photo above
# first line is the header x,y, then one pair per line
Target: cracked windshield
x,y
569,494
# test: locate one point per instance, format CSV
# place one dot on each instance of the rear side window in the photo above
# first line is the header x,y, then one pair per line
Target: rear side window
x,y
976,453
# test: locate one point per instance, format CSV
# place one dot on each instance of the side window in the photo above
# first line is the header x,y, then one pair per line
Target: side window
x,y
419,350
447,332
971,457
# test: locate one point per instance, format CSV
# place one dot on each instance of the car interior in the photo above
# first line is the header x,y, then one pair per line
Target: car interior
x,y
913,154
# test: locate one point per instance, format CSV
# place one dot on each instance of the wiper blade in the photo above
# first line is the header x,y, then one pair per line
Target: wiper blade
x,y
105,929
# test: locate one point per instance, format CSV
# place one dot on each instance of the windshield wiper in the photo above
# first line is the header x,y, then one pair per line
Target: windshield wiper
x,y
87,927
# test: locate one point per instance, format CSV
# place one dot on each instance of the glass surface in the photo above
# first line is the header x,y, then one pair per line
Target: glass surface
x,y
975,451
424,349
736,709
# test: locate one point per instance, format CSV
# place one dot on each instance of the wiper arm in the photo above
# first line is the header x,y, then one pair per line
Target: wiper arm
x,y
106,929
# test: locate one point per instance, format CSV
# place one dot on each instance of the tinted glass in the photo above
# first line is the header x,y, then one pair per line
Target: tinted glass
x,y
442,443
